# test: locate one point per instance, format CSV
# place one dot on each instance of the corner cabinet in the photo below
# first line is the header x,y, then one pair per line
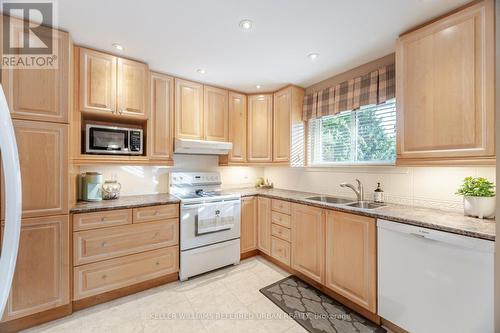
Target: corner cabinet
x,y
351,257
248,224
445,90
161,120
238,127
308,241
260,128
264,225
111,85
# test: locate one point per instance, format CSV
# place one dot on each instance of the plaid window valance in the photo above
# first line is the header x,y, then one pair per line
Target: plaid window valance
x,y
372,88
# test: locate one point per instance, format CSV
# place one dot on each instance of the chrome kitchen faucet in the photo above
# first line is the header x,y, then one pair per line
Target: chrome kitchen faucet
x,y
360,192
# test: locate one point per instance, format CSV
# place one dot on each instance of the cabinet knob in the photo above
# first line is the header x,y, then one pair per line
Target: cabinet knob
x,y
157,263
104,276
104,244
156,234
103,219
155,213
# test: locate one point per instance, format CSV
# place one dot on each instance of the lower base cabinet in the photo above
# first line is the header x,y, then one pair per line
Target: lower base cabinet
x,y
308,241
351,257
41,279
280,250
248,240
264,225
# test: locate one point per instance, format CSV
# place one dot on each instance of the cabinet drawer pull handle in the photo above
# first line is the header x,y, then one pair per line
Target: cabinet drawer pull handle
x,y
104,243
103,219
104,276
157,263
155,213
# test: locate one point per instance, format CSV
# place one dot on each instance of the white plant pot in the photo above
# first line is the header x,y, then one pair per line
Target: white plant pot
x,y
482,207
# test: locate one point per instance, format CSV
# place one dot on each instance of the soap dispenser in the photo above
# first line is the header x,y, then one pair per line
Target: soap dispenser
x,y
378,194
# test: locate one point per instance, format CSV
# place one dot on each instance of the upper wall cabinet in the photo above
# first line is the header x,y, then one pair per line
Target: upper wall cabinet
x,y
188,110
161,120
215,114
238,127
112,85
41,94
260,128
287,114
445,89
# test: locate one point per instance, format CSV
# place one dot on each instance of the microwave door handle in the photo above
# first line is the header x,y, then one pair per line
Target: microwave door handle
x,y
13,201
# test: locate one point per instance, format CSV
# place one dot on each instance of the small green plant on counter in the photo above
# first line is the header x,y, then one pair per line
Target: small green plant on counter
x,y
477,187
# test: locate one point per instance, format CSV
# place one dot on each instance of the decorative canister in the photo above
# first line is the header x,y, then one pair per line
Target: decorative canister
x,y
111,190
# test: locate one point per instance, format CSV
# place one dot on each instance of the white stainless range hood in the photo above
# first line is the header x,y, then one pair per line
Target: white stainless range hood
x,y
201,147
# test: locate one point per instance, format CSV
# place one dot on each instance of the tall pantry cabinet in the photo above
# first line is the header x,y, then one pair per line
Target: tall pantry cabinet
x,y
39,101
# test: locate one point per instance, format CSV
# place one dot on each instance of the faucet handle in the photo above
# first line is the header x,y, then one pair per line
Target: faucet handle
x,y
359,183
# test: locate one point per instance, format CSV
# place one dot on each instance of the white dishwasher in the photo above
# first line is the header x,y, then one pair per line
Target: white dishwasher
x,y
434,281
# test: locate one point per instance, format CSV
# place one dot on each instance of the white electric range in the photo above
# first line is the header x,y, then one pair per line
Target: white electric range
x,y
209,225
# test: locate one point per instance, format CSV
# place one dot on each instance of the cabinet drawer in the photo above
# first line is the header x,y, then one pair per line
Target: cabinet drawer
x,y
95,245
281,232
155,213
96,220
100,277
280,250
281,219
281,206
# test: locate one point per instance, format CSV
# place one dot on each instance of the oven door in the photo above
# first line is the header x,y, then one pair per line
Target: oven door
x,y
106,140
209,223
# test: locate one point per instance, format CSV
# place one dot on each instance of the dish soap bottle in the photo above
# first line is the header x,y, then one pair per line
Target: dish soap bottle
x,y
378,194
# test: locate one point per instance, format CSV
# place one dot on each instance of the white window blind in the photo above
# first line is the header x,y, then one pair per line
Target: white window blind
x,y
364,136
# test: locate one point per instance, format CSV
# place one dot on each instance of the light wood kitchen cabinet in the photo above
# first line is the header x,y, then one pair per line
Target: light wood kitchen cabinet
x,y
41,279
238,127
287,114
260,128
248,241
132,89
445,89
215,108
264,225
111,85
189,110
351,257
280,250
97,81
308,241
43,158
161,120
41,94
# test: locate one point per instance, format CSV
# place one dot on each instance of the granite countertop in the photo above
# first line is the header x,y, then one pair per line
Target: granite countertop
x,y
443,220
124,202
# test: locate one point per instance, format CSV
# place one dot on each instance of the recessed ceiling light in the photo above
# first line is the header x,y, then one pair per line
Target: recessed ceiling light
x,y
246,24
117,46
258,86
201,71
313,56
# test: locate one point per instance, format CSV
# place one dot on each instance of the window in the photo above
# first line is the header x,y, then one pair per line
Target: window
x,y
364,136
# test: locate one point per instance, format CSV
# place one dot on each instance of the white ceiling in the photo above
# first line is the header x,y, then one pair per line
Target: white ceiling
x,y
178,37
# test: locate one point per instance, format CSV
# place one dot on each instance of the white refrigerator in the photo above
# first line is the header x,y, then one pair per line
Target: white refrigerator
x,y
12,201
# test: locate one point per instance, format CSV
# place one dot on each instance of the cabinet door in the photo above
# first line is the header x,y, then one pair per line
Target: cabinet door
x,y
281,125
97,81
188,110
41,94
308,241
161,120
260,131
41,279
43,158
351,258
216,114
248,224
238,127
264,225
445,83
132,88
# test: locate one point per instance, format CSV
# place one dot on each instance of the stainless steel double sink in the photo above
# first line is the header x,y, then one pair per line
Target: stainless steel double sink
x,y
347,202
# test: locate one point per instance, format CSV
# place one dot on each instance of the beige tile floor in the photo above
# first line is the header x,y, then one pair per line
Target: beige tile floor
x,y
227,300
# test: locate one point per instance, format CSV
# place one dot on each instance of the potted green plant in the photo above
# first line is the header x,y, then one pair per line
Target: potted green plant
x,y
479,197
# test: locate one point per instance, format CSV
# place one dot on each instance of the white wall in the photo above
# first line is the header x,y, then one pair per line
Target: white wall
x,y
137,180
418,186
